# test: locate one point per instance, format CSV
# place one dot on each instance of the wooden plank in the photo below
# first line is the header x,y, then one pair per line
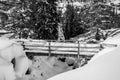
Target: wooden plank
x,y
41,46
55,42
109,45
74,50
37,48
40,43
62,49
52,44
37,45
62,44
64,53
37,51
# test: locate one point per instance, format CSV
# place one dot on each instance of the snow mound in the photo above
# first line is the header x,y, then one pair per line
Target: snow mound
x,y
5,43
105,67
113,39
6,71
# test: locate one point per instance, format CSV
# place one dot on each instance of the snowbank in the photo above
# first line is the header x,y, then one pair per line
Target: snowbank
x,y
43,68
4,42
105,67
113,40
114,37
6,71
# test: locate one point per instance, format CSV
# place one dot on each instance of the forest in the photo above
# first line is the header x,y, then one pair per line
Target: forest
x,y
46,19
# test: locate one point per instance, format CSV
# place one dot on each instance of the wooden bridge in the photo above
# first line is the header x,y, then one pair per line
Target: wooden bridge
x,y
59,48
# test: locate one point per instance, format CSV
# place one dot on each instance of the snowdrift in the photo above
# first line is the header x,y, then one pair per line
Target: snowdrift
x,y
4,42
113,40
6,71
104,67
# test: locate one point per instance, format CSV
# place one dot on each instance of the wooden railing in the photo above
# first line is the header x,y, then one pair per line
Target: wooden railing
x,y
64,48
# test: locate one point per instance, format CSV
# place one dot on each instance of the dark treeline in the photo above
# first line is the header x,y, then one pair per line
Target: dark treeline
x,y
39,19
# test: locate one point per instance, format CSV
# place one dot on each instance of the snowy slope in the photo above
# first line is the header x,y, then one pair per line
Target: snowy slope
x,y
114,41
114,38
105,67
4,42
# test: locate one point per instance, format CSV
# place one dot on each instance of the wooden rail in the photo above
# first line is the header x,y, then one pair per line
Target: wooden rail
x,y
64,48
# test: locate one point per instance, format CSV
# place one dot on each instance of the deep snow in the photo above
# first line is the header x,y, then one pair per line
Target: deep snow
x,y
103,66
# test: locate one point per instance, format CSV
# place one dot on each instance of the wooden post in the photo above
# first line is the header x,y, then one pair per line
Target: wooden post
x,y
23,44
49,49
78,56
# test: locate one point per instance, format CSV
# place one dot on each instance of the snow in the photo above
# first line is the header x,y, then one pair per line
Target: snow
x,y
104,51
4,42
77,4
116,1
6,55
105,67
113,40
6,71
63,5
43,68
3,31
7,35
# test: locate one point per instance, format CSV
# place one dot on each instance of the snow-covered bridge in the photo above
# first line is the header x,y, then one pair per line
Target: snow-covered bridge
x,y
60,48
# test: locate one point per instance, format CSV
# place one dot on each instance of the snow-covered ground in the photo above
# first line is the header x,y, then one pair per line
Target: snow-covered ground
x,y
43,67
103,66
113,40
